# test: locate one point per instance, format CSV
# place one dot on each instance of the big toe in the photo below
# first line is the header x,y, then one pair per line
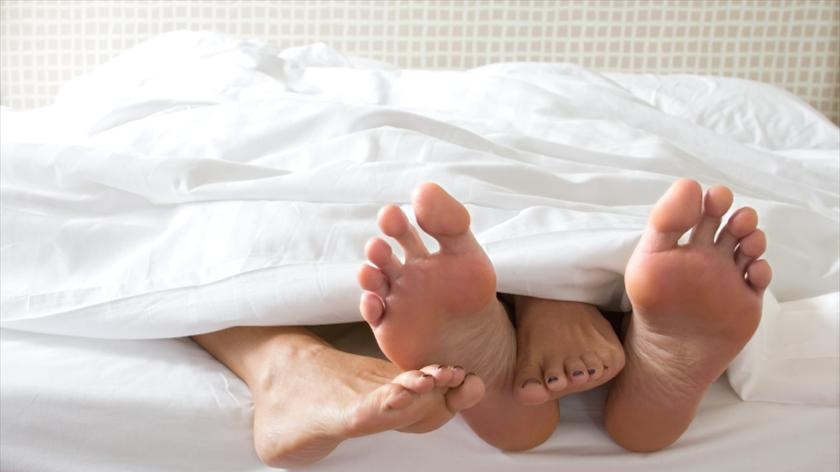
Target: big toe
x,y
443,217
528,385
467,395
677,211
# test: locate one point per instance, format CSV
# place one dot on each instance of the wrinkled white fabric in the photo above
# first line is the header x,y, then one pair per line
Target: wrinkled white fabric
x,y
98,405
200,181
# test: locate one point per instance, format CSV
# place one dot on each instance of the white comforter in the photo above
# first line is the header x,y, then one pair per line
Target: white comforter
x,y
200,181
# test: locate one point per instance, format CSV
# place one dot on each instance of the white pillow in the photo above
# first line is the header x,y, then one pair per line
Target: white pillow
x,y
750,112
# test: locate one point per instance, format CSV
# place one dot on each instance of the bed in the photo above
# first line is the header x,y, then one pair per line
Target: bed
x,y
201,180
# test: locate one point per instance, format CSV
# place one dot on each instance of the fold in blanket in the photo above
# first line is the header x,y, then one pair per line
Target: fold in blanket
x,y
200,181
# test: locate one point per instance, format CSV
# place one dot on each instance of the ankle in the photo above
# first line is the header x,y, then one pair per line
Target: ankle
x,y
279,357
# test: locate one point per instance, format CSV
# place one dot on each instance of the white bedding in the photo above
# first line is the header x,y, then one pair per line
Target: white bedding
x,y
200,181
82,405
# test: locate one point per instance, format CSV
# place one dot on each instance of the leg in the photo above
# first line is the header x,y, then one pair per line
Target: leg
x,y
442,307
562,348
695,306
308,396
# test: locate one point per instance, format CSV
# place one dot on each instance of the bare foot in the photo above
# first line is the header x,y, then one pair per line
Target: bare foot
x,y
442,308
695,306
308,401
563,348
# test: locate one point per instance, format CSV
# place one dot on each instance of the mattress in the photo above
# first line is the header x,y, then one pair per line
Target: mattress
x,y
201,181
73,404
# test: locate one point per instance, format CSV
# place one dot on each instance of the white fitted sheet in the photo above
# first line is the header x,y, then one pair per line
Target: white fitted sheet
x,y
82,405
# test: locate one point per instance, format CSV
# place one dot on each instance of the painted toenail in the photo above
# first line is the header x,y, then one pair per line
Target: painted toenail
x,y
577,373
591,371
552,379
530,381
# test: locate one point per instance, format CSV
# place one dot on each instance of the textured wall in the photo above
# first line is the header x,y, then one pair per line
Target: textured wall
x,y
791,43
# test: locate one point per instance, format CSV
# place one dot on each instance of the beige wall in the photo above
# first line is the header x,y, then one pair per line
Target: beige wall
x,y
791,43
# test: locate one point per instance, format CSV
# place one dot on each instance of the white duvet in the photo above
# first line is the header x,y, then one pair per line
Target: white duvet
x,y
200,181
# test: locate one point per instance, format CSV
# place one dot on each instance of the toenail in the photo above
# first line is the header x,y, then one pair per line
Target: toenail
x,y
577,373
591,371
552,379
530,381
441,367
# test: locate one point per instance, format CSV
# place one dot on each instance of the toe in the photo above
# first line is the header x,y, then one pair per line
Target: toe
x,y
458,376
396,397
371,308
740,224
556,381
415,380
716,203
594,365
528,385
444,218
576,371
442,374
373,280
759,275
394,223
750,248
379,253
675,213
467,395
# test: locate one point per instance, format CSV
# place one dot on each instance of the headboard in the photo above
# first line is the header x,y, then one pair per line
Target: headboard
x,y
790,43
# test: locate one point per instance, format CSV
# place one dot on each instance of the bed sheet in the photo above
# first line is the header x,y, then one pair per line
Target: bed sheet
x,y
81,405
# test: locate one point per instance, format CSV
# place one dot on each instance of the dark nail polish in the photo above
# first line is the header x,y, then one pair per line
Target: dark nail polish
x,y
591,371
552,379
577,373
530,381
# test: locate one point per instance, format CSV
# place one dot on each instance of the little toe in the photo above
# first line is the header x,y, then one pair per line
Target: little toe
x,y
759,275
465,396
528,385
594,365
716,203
750,248
576,371
677,211
373,280
379,253
415,380
394,223
372,308
741,223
